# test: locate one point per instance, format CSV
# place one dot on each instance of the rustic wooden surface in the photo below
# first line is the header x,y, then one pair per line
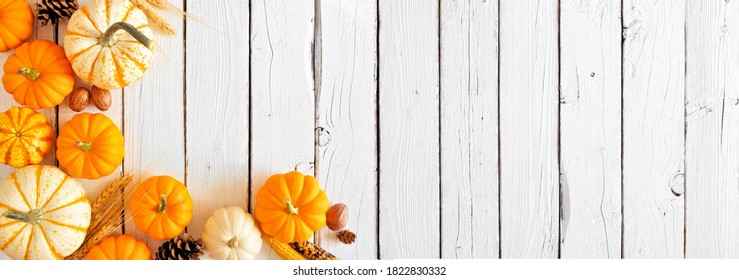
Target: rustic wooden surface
x,y
451,129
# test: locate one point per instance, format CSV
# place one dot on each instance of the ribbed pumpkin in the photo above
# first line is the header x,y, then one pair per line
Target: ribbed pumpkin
x,y
291,207
231,234
161,207
25,137
38,74
44,214
108,43
16,24
90,146
122,247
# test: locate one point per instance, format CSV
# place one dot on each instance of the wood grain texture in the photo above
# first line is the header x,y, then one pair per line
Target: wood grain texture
x,y
469,129
529,193
653,128
154,116
590,129
216,108
409,129
283,100
346,140
712,152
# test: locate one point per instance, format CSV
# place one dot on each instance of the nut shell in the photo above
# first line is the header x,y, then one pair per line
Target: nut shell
x,y
101,98
78,99
337,217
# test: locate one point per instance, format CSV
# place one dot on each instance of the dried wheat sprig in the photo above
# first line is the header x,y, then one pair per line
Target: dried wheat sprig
x,y
148,7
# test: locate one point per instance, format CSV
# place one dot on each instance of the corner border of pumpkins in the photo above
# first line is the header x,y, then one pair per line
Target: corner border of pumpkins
x,y
44,211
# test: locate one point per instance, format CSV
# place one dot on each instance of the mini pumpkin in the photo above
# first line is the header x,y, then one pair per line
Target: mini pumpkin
x,y
122,247
17,23
231,234
161,207
90,146
44,214
25,137
108,43
38,75
291,207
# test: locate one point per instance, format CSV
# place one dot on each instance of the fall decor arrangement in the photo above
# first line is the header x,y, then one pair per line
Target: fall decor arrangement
x,y
55,11
122,247
99,53
17,23
38,75
90,146
231,234
25,137
291,206
161,207
183,247
43,212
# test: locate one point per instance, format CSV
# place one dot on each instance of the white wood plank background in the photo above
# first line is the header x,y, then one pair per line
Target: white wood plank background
x,y
451,128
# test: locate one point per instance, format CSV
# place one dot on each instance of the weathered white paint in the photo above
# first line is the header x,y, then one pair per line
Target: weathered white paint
x,y
469,129
590,129
409,129
653,128
154,126
283,100
346,137
529,187
712,150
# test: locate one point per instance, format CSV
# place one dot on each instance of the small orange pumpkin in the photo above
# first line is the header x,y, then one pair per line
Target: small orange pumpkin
x,y
122,247
291,207
17,23
25,137
161,207
38,74
90,146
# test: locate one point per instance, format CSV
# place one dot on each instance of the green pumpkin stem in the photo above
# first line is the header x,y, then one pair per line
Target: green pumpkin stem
x,y
292,210
31,73
84,146
34,217
162,207
130,29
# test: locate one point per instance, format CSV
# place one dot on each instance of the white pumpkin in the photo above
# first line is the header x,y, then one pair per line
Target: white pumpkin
x,y
108,43
231,234
44,214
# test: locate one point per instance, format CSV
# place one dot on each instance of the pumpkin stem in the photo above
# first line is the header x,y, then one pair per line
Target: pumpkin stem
x,y
30,73
130,29
292,210
85,146
233,243
34,217
162,207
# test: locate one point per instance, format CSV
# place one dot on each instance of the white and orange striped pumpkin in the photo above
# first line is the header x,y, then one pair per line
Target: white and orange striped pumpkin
x,y
44,214
108,43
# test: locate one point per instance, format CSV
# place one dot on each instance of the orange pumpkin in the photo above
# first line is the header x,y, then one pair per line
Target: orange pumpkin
x,y
161,207
90,146
38,74
17,23
291,207
25,137
123,247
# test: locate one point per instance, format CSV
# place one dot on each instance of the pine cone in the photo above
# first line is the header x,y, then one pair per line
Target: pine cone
x,y
182,247
55,10
346,236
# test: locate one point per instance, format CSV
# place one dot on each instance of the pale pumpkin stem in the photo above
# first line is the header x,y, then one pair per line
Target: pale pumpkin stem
x,y
130,29
162,207
85,146
34,217
233,243
292,210
30,73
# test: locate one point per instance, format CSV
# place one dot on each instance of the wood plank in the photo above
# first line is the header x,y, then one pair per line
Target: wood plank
x,y
529,191
409,129
154,124
653,128
590,129
469,129
346,117
712,152
217,107
283,100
